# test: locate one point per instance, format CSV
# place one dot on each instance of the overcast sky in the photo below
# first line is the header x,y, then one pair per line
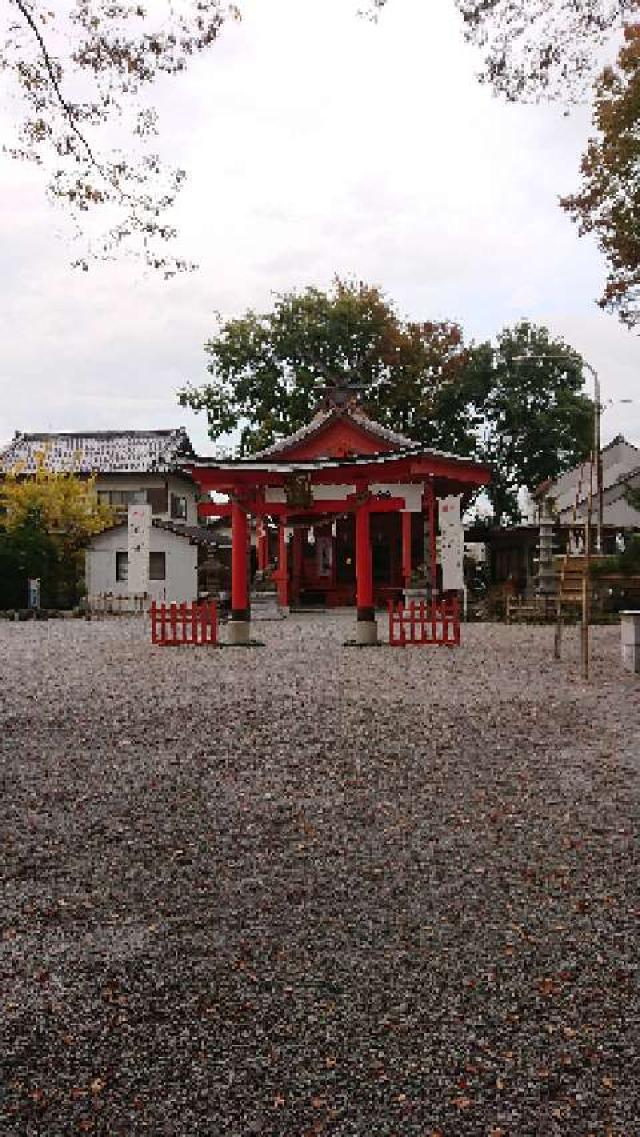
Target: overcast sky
x,y
316,143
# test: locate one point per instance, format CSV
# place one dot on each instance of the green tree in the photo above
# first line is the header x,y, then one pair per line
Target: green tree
x,y
50,517
516,406
77,71
266,368
554,49
28,550
537,423
608,204
543,48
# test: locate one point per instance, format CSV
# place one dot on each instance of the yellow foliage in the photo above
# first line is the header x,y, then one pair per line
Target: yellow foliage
x,y
68,505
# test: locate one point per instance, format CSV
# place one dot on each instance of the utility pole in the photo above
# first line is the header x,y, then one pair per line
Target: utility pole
x,y
597,451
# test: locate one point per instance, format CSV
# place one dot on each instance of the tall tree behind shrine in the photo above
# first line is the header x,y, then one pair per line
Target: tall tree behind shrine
x,y
266,368
527,419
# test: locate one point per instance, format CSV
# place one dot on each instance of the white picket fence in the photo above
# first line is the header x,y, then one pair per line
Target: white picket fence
x,y
107,604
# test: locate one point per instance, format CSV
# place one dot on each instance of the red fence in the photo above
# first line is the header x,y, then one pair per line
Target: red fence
x,y
176,624
425,623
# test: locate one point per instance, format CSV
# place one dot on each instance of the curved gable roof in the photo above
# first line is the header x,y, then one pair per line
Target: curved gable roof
x,y
337,432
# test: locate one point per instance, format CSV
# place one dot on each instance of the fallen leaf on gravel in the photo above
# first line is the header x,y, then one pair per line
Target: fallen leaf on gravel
x,y
462,1103
547,987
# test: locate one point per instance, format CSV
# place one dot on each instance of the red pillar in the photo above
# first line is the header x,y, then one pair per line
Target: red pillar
x,y
239,574
283,569
406,548
364,565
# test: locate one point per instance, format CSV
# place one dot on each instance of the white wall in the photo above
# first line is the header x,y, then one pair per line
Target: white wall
x,y
181,560
136,483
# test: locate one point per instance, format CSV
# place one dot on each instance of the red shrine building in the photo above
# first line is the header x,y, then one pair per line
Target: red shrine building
x,y
345,509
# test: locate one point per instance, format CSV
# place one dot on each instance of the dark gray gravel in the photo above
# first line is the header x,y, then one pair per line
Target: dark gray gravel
x,y
305,889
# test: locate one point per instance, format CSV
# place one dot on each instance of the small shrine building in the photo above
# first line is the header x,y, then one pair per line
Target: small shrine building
x,y
345,507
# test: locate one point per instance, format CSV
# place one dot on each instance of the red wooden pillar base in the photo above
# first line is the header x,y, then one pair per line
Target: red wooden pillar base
x,y
366,627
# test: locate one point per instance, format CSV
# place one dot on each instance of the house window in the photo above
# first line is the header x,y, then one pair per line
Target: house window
x,y
178,507
157,498
122,567
157,566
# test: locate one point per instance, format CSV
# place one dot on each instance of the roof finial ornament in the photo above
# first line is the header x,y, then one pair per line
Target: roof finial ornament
x,y
341,391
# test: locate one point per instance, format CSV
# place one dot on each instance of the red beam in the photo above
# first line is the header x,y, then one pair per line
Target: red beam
x,y
213,509
317,509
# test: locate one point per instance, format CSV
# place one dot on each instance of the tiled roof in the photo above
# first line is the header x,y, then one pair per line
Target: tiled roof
x,y
195,534
322,418
100,451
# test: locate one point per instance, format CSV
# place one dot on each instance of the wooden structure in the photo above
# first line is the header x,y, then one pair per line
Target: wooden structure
x,y
436,623
176,625
345,507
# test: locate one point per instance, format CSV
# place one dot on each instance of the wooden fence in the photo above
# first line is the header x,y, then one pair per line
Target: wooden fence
x,y
175,625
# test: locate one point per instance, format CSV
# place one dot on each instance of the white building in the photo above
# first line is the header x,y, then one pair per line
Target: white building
x,y
175,552
127,464
130,467
620,471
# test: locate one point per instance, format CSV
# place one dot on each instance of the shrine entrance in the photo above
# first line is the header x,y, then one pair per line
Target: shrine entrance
x,y
346,513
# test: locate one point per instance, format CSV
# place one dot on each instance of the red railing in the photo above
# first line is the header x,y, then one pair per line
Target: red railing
x,y
425,623
176,624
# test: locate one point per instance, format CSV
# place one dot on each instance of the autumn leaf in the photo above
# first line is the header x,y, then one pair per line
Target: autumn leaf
x,y
462,1103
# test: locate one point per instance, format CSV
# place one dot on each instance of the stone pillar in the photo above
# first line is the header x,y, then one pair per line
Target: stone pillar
x,y
240,622
630,640
406,548
366,627
547,583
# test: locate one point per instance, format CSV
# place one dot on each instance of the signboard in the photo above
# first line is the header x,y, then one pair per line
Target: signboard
x,y
138,548
33,592
451,543
324,546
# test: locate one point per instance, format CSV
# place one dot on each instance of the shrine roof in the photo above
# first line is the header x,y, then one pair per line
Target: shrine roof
x,y
324,418
262,462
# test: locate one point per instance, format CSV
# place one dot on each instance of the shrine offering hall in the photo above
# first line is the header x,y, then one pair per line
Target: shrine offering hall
x,y
345,509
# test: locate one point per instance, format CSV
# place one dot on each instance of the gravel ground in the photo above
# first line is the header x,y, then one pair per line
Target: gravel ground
x,y
306,889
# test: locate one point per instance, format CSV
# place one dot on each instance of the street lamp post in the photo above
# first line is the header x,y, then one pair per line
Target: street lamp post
x,y
597,450
596,462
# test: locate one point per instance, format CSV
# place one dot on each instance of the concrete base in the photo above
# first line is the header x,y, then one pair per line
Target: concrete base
x,y
238,631
264,606
630,640
366,633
